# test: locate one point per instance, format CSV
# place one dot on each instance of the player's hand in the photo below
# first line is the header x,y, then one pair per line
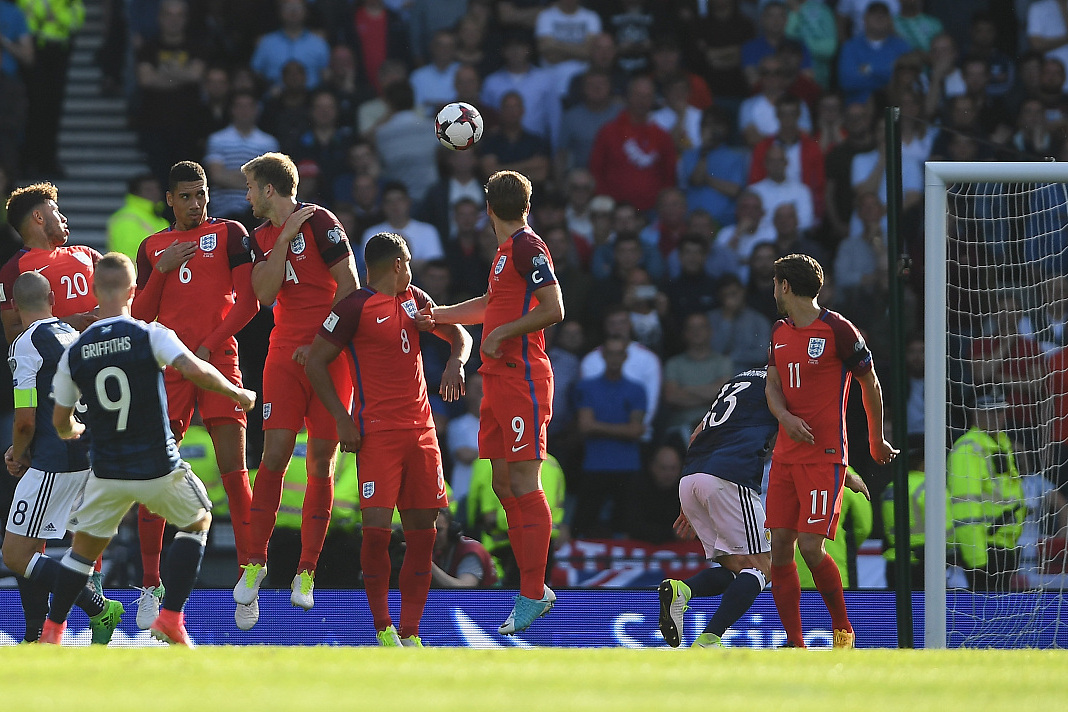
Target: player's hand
x,y
293,224
81,321
491,344
17,468
300,355
76,431
175,254
424,319
797,429
246,399
348,436
452,381
856,483
883,452
683,528
203,353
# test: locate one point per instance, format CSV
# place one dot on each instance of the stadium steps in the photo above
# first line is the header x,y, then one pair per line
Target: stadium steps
x,y
96,148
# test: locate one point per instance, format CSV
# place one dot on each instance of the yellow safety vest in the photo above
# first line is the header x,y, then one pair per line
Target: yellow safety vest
x,y
53,20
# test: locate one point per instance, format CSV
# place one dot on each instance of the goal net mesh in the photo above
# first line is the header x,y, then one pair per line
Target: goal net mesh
x,y
1007,430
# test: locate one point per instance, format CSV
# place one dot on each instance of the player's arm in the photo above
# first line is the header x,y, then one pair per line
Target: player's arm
x,y
66,394
245,307
444,580
452,378
150,279
268,274
798,430
589,426
344,274
170,351
473,311
23,431
872,391
549,311
12,324
320,356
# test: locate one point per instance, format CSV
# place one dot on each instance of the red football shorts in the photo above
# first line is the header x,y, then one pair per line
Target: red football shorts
x,y
805,497
183,395
290,403
402,469
514,418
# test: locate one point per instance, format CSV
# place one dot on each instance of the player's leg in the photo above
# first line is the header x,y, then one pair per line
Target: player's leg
x,y
422,494
17,552
71,583
783,514
379,467
751,573
820,522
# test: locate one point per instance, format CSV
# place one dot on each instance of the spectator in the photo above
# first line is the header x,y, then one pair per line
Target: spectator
x,y
1047,30
693,378
434,84
462,441
655,497
917,513
1052,94
138,217
406,143
667,65
716,39
468,83
769,41
813,24
851,14
292,41
641,364
580,123
984,43
633,159
917,136
53,25
611,409
648,307
1033,136
366,205
579,189
285,109
379,35
347,83
16,55
868,170
790,239
459,180
564,31
667,229
915,412
678,117
459,561
693,290
749,230
829,129
1048,325
373,112
778,188
230,149
423,240
535,85
169,71
510,147
326,144
712,173
427,18
839,169
985,497
915,26
738,330
215,100
994,120
473,48
860,264
471,249
627,255
602,61
757,118
867,60
565,354
804,158
944,78
632,26
761,270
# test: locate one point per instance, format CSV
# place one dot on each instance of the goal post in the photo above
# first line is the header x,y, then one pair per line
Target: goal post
x,y
963,208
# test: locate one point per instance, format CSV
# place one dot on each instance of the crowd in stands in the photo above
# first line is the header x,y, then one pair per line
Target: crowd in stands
x,y
677,148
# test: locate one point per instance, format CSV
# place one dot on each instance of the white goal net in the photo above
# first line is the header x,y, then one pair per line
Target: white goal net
x,y
996,399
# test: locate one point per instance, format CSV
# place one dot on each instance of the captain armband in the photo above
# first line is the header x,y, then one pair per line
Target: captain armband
x,y
25,397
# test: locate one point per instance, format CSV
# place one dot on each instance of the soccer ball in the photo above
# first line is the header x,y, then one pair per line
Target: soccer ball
x,y
458,126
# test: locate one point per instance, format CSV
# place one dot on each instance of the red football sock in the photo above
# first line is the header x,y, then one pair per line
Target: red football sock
x,y
314,520
537,531
150,532
514,516
239,496
828,580
99,565
263,512
415,578
374,558
786,590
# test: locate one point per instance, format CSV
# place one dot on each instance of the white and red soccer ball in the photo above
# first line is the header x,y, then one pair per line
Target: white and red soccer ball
x,y
458,126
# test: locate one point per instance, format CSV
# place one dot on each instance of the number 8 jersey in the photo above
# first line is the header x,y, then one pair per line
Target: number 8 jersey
x,y
116,367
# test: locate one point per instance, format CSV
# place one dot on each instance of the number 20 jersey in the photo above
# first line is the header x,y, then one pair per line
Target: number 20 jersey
x,y
737,433
68,268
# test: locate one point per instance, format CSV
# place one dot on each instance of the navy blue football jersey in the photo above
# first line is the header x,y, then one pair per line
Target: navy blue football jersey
x,y
116,366
33,358
737,433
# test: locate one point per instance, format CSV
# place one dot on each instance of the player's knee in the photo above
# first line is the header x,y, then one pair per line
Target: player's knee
x,y
760,576
202,524
200,536
16,554
811,550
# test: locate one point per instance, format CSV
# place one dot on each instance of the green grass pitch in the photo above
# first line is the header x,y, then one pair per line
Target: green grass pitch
x,y
546,679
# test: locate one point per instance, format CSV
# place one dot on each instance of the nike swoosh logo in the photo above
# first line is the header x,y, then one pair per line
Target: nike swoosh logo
x,y
517,449
159,252
779,346
42,269
382,318
813,521
268,252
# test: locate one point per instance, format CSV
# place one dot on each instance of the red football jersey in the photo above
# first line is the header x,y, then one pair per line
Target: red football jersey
x,y
814,365
68,268
387,373
200,293
521,266
308,287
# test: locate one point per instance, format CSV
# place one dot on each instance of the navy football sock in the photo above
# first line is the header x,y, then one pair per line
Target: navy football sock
x,y
710,582
183,566
737,599
46,572
34,597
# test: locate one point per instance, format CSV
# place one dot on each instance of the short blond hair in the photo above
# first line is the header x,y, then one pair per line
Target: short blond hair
x,y
275,169
114,274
